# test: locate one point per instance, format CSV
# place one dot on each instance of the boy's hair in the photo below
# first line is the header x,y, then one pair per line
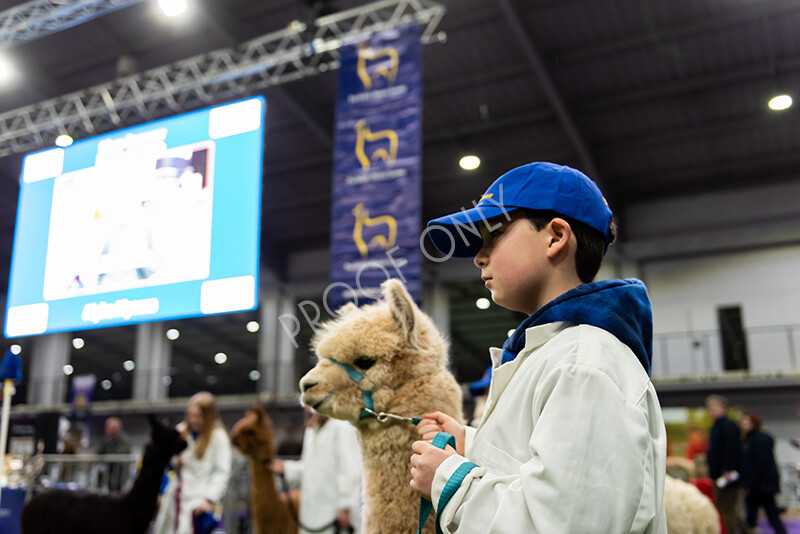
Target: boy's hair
x,y
591,242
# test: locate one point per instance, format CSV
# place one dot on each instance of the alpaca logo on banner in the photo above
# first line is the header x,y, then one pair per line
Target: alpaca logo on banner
x,y
365,135
380,57
364,220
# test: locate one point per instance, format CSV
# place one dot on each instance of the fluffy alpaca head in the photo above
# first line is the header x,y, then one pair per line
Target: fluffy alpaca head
x,y
252,434
390,342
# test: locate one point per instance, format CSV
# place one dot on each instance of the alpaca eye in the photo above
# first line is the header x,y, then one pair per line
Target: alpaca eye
x,y
364,363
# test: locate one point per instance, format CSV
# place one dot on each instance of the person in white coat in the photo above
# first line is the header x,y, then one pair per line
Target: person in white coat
x,y
329,474
201,470
572,438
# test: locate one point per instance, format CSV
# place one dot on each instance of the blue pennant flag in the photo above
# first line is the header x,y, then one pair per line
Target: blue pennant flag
x,y
11,367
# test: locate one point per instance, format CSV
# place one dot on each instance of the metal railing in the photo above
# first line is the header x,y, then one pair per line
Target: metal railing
x,y
771,350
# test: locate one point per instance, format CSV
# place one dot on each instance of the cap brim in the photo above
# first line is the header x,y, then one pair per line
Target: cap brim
x,y
459,234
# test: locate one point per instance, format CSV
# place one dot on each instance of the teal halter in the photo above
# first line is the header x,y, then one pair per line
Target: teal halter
x,y
369,408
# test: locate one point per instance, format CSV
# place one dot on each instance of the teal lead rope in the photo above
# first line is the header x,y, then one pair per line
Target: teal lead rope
x,y
441,440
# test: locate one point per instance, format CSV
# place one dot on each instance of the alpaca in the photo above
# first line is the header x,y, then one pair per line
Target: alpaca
x,y
252,435
688,510
391,349
72,512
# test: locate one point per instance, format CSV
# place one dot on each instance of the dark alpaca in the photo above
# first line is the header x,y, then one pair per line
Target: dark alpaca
x,y
71,512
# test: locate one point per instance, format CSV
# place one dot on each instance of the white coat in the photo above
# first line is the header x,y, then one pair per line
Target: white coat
x,y
329,474
201,478
572,440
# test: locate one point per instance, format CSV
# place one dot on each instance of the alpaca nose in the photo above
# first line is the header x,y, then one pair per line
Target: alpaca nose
x,y
306,384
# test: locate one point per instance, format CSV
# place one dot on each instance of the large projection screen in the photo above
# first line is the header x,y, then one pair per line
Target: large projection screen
x,y
152,222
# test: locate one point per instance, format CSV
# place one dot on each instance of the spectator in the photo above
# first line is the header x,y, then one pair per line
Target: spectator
x,y
760,477
724,464
115,442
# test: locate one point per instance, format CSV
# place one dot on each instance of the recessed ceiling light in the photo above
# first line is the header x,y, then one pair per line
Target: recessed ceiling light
x,y
106,384
15,349
511,332
254,375
253,326
68,369
470,162
482,303
220,358
63,140
128,365
780,102
173,334
78,343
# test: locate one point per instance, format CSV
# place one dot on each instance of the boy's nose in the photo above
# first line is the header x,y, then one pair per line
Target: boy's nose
x,y
480,258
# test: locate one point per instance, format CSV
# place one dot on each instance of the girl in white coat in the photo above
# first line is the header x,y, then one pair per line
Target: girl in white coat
x,y
202,469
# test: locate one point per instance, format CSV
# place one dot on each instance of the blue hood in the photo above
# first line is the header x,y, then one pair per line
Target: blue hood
x,y
620,307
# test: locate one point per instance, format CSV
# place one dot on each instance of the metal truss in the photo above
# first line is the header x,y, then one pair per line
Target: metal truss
x,y
286,55
38,18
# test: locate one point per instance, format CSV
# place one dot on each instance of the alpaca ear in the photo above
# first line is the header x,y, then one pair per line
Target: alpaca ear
x,y
261,414
401,306
345,309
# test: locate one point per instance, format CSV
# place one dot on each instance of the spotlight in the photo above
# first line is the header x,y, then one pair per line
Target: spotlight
x,y
470,163
780,102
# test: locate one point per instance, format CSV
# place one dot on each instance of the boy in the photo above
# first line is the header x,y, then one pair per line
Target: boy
x,y
572,439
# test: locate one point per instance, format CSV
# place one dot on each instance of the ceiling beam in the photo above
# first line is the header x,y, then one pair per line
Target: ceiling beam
x,y
513,18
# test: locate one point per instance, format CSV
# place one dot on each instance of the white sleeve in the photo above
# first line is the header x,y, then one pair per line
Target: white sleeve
x,y
348,476
220,449
293,471
588,459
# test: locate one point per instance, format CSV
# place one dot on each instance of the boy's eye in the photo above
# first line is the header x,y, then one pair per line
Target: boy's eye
x,y
364,362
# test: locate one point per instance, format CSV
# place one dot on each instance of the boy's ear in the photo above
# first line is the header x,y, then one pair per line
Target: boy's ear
x,y
560,233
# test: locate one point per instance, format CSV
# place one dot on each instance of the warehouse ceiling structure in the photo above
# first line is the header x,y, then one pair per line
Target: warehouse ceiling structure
x,y
658,101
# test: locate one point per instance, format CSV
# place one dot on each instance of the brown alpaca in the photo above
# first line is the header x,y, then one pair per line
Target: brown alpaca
x,y
252,435
403,360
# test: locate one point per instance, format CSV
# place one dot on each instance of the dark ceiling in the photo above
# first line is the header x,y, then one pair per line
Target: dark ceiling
x,y
653,99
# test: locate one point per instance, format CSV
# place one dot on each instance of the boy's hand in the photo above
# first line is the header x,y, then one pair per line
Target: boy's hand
x,y
424,462
440,422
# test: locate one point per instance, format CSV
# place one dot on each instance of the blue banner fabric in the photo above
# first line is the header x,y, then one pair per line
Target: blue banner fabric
x,y
376,212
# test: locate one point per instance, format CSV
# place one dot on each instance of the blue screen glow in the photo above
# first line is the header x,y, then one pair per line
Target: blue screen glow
x,y
152,222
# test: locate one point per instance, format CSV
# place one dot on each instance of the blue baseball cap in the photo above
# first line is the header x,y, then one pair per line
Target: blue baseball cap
x,y
535,186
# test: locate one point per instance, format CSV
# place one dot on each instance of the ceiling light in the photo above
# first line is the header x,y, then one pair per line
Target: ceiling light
x,y
482,303
78,343
15,349
172,8
63,140
106,384
253,326
254,375
128,365
173,334
780,102
167,380
470,162
220,358
68,369
511,332
7,72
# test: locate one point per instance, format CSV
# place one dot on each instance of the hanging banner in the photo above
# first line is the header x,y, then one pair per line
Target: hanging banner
x,y
376,212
